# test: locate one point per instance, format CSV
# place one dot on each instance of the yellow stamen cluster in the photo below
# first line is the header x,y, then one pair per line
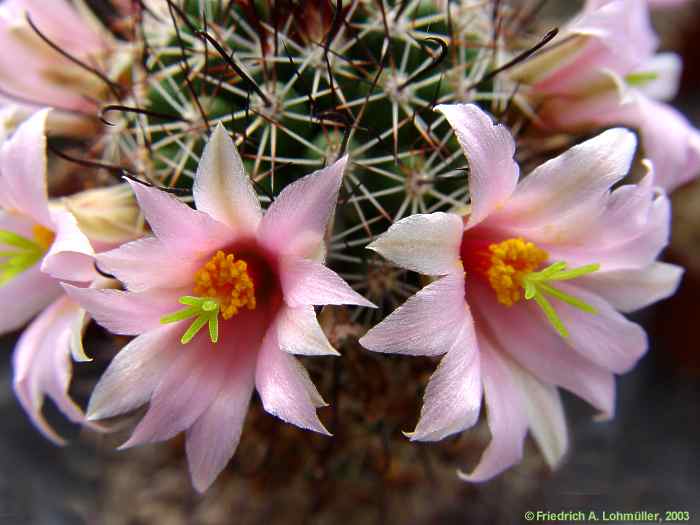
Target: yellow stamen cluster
x,y
511,261
43,236
227,280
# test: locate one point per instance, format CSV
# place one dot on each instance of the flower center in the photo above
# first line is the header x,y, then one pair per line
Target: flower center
x,y
510,262
512,269
222,286
227,280
23,253
43,236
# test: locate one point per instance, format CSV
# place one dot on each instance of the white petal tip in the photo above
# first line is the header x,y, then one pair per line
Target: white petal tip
x,y
93,416
602,417
200,486
463,476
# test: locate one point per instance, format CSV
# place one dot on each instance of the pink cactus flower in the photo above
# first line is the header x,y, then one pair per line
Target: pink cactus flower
x,y
602,71
47,78
528,287
248,284
40,245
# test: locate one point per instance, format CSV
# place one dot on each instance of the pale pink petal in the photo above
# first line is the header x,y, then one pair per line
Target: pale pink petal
x,y
452,399
506,416
24,296
667,67
625,248
424,243
42,365
633,288
71,256
222,188
489,148
624,216
668,140
135,371
426,324
298,332
62,23
16,223
128,313
560,198
666,3
176,225
545,414
24,51
306,282
285,388
23,169
296,221
212,440
185,390
623,31
519,332
148,263
606,338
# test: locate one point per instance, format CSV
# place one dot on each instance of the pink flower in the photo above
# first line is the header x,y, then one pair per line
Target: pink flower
x,y
603,71
41,244
47,78
248,283
528,288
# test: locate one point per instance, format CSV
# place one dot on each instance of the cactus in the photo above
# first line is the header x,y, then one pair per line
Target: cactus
x,y
296,84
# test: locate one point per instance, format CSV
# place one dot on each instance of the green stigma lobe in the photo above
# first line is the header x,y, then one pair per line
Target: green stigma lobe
x,y
537,286
13,262
205,312
641,78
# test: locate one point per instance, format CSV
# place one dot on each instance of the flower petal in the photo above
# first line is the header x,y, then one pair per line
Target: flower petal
x,y
298,332
285,388
221,187
178,226
545,414
635,244
489,148
606,338
148,263
296,221
452,398
42,365
622,34
135,371
424,243
540,350
506,416
70,256
669,141
213,438
667,69
634,288
23,169
560,198
306,282
127,313
185,391
24,296
426,324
